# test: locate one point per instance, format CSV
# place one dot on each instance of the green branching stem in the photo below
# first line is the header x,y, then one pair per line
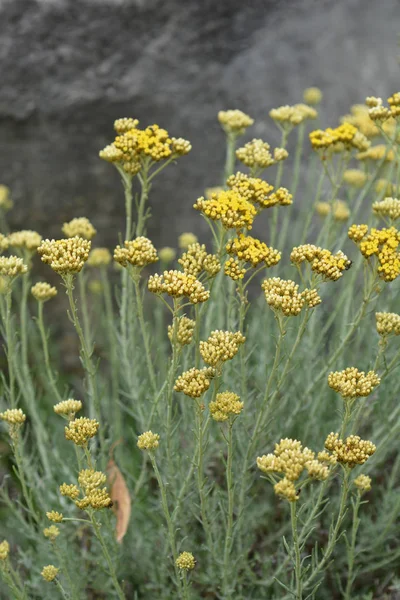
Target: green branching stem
x,y
278,179
51,379
16,445
351,547
230,156
298,594
229,527
144,329
106,554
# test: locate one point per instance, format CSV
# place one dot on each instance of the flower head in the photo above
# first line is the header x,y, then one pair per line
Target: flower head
x,y
283,295
69,490
65,256
312,95
186,561
26,239
43,291
4,550
229,207
54,516
234,121
257,154
220,347
381,243
352,451
51,532
80,227
13,416
388,207
5,198
196,259
352,383
99,257
195,382
68,408
225,405
323,262
184,332
253,251
355,177
363,483
387,323
81,430
167,254
12,266
148,441
178,285
138,253
49,573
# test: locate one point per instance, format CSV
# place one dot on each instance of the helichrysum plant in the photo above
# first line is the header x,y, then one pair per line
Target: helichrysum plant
x,y
230,431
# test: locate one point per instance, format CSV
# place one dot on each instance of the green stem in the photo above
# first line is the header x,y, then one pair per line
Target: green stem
x,y
227,593
171,379
144,331
145,187
230,156
23,319
351,548
84,307
297,568
45,347
21,476
10,343
200,473
60,587
279,173
107,556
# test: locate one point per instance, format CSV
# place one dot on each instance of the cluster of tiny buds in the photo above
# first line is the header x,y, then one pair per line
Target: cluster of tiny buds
x,y
5,198
225,405
229,207
25,239
68,408
387,323
12,266
382,243
257,154
4,550
363,483
234,121
185,561
352,451
81,227
220,347
51,532
233,269
312,95
194,382
284,296
49,573
43,291
322,261
148,441
178,285
342,138
184,332
290,116
388,207
186,239
54,516
81,430
352,383
341,211
167,254
99,257
138,253
66,256
196,259
252,250
69,490
13,416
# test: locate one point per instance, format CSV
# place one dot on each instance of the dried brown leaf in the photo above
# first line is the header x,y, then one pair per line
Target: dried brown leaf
x,y
121,499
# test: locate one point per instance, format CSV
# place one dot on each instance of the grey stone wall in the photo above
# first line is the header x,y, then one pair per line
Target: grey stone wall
x,y
70,67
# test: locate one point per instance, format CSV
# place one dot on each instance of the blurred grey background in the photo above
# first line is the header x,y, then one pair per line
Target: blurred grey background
x,y
70,67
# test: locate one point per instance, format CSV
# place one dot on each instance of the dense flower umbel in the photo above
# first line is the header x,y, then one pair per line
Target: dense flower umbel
x,y
376,153
352,451
178,285
355,177
234,121
4,550
196,259
148,441
81,227
342,138
138,253
81,430
252,250
323,262
90,480
25,239
54,516
229,207
3,242
352,383
99,257
68,408
290,116
70,490
312,95
233,269
13,416
388,207
5,199
387,323
186,561
51,532
225,405
363,483
220,347
49,573
66,255
195,382
12,266
184,332
254,189
283,295
257,154
382,243
43,291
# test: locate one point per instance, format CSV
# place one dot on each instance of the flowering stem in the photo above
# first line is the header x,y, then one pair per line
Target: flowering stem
x,y
107,556
83,301
171,379
21,476
230,156
297,567
10,577
145,186
185,594
167,515
229,528
144,331
274,220
10,343
43,336
23,320
200,472
63,592
351,548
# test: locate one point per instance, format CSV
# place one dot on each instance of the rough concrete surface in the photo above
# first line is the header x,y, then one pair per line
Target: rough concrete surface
x,y
70,67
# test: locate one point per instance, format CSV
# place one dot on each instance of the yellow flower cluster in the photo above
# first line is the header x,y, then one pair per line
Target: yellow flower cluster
x,y
66,256
341,211
283,295
387,323
196,259
359,117
363,483
99,257
186,239
195,382
68,408
12,266
148,441
49,573
80,227
375,153
383,244
25,239
138,253
81,430
290,116
225,405
257,154
229,207
221,346
178,285
234,121
51,532
167,254
312,95
388,207
386,187
5,199
344,137
54,516
13,416
352,383
355,177
258,191
4,550
291,459
184,332
322,261
3,242
352,451
233,269
185,561
69,490
133,145
91,482
252,250
43,291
